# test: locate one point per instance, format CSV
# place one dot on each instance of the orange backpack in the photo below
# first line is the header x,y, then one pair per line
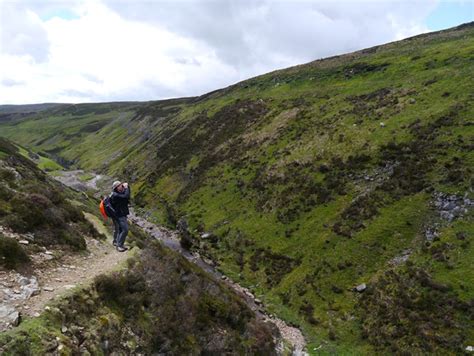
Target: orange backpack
x,y
106,208
102,209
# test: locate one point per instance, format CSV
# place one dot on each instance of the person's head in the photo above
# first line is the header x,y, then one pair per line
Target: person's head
x,y
118,186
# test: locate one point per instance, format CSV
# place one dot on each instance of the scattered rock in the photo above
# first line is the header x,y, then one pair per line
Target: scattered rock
x,y
451,206
431,233
8,316
403,257
208,262
48,289
64,329
29,287
47,257
360,288
469,348
24,242
382,124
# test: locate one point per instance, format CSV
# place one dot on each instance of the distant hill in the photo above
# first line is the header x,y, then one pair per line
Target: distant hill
x,y
340,191
29,108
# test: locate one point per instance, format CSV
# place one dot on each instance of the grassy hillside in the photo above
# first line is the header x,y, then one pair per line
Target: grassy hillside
x,y
311,181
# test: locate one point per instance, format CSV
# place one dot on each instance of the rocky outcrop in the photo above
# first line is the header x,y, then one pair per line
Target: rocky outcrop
x,y
449,207
15,288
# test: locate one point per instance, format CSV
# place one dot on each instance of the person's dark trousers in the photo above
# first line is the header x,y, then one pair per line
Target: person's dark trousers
x,y
121,230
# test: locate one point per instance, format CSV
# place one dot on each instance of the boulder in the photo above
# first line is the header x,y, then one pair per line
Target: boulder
x,y
29,287
9,315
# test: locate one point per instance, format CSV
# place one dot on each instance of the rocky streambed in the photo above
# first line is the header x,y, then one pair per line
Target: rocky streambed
x,y
170,239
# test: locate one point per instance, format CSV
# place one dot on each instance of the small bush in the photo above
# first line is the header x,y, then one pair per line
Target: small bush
x,y
7,175
185,237
71,212
110,287
29,210
5,193
12,254
408,310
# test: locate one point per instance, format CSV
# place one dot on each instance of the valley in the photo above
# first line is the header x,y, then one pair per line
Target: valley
x,y
338,192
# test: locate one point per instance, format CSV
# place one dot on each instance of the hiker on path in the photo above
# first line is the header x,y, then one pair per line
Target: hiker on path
x,y
119,200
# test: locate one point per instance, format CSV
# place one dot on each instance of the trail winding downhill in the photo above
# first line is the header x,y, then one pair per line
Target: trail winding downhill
x,y
290,334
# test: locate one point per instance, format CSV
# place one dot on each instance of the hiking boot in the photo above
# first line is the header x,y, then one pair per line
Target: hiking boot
x,y
114,243
121,248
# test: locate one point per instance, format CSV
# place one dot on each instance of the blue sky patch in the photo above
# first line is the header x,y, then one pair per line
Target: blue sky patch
x,y
63,13
450,13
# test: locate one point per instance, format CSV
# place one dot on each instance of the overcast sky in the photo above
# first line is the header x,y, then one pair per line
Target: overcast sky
x,y
108,50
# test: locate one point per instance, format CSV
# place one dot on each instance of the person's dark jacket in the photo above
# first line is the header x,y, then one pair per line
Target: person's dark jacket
x,y
120,201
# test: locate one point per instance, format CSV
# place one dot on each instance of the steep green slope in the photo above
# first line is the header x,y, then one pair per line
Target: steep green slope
x,y
313,180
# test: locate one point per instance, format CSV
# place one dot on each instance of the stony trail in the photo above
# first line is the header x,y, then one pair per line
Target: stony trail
x,y
52,273
76,270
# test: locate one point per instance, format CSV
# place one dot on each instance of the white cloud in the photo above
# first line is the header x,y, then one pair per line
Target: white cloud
x,y
21,32
131,50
